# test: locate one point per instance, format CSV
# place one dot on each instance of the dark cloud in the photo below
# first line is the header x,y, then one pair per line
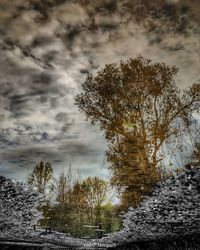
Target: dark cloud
x,y
62,117
60,152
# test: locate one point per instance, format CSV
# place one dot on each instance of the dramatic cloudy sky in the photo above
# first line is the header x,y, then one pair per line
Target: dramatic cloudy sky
x,y
47,47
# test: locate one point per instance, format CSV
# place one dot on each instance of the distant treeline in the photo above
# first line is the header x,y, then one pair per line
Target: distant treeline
x,y
77,207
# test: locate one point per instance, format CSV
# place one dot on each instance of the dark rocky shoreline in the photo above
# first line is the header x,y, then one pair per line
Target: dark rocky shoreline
x,y
188,242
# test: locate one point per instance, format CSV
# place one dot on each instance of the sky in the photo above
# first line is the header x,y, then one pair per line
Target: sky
x,y
47,48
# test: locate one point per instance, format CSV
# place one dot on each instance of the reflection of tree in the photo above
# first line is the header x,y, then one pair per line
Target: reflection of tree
x,y
82,207
196,152
88,194
95,191
137,105
126,156
62,186
40,176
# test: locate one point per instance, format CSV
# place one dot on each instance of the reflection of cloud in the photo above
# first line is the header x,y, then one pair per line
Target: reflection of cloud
x,y
60,151
45,53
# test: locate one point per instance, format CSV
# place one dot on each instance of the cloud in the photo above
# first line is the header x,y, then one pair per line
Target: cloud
x,y
78,149
46,52
70,13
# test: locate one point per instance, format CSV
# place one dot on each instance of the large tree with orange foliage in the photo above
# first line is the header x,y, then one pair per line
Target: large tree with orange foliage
x,y
137,104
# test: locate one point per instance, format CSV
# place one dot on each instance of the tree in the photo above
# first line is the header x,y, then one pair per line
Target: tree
x,y
137,99
81,203
41,176
196,153
95,190
128,156
61,188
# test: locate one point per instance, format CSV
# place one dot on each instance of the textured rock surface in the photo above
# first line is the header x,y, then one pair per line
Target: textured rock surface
x,y
18,208
172,213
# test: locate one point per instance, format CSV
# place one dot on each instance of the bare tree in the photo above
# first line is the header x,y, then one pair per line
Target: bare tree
x,y
95,190
41,176
63,186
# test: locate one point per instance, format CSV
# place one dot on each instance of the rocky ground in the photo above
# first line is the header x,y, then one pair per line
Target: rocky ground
x,y
169,218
